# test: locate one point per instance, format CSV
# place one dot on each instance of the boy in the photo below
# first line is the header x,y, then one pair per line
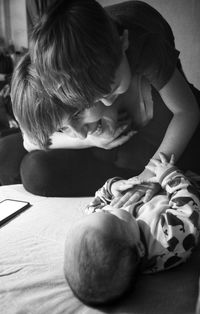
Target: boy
x,y
124,61
104,251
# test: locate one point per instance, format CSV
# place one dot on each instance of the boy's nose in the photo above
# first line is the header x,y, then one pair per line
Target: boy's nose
x,y
109,101
106,102
81,132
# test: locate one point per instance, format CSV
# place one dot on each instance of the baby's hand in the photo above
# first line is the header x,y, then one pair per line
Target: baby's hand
x,y
159,167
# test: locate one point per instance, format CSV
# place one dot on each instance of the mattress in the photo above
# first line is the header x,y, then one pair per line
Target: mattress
x,y
31,265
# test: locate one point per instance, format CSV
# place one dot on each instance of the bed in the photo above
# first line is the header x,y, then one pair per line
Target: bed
x,y
31,266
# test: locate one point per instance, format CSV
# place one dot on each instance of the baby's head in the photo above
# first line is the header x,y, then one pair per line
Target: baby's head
x,y
102,254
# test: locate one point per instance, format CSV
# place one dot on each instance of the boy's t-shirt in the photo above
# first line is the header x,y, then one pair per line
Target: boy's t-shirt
x,y
152,57
151,52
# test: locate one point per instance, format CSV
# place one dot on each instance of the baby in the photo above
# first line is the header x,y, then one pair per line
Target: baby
x,y
107,248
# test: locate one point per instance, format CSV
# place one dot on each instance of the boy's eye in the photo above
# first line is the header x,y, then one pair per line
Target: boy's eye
x,y
74,117
64,129
76,114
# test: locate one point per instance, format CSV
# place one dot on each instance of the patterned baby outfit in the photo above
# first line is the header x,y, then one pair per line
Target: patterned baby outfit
x,y
169,222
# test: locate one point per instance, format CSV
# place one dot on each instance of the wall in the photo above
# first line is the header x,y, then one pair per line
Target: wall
x,y
4,19
18,23
13,25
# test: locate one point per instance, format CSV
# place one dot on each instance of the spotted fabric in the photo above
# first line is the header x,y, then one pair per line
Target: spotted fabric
x,y
169,222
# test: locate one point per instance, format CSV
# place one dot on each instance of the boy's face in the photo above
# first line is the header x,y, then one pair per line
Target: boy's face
x,y
100,120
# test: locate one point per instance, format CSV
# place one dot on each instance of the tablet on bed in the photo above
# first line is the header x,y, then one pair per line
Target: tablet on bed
x,y
10,208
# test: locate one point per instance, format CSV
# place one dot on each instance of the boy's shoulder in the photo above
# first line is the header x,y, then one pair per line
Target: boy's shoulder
x,y
130,14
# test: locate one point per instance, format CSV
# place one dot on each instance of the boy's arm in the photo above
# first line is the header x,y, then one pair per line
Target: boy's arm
x,y
180,100
62,140
58,140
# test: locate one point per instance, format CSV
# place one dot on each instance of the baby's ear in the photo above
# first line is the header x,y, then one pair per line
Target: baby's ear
x,y
125,40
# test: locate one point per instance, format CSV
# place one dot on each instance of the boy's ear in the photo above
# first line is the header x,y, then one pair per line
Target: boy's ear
x,y
125,40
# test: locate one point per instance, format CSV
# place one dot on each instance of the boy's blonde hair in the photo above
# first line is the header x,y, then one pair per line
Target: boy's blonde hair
x,y
38,115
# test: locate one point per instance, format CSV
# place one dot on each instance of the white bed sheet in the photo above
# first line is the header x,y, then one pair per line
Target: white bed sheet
x,y
31,266
31,254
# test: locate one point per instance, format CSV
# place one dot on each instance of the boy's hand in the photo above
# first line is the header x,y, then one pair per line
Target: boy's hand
x,y
142,192
119,187
159,167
